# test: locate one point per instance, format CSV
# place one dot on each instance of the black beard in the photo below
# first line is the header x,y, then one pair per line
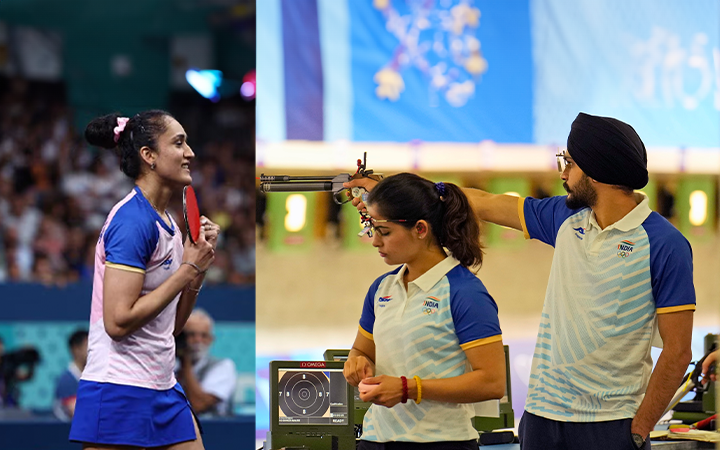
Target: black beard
x,y
583,195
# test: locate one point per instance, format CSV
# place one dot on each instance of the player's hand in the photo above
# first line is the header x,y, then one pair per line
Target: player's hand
x,y
357,368
708,367
367,183
200,253
382,390
212,230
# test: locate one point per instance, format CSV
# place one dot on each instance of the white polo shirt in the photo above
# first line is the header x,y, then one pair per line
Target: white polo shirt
x,y
592,357
424,331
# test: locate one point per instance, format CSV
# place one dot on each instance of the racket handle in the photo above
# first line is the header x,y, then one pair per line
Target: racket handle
x,y
319,186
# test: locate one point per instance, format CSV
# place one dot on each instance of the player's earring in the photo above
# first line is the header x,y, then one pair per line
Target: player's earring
x,y
152,166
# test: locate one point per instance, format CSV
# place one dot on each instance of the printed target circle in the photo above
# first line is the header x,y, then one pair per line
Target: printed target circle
x,y
304,394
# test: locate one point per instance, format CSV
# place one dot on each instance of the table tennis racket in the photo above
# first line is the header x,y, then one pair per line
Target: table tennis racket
x,y
191,213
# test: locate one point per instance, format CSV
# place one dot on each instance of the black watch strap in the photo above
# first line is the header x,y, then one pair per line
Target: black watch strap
x,y
638,440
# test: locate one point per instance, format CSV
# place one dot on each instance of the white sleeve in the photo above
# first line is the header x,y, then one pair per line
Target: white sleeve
x,y
220,380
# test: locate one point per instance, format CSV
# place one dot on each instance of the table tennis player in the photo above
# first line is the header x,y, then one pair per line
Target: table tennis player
x,y
145,285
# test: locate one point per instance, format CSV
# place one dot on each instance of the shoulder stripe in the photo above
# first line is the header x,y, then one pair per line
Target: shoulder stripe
x,y
672,309
124,267
365,333
521,214
483,341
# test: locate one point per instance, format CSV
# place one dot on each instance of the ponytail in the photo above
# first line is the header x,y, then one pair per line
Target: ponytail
x,y
460,230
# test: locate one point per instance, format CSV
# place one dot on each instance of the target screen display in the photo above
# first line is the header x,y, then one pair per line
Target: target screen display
x,y
312,397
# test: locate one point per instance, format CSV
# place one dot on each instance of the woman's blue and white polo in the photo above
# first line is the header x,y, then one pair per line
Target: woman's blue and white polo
x,y
424,331
592,357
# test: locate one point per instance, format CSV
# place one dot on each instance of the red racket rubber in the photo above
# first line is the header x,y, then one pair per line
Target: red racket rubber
x,y
191,213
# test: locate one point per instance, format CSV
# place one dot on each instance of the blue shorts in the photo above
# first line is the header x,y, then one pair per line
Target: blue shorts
x,y
115,414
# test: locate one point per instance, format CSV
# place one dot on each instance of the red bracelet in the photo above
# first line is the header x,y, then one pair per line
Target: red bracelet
x,y
405,390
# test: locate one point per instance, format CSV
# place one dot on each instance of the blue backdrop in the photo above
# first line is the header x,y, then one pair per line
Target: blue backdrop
x,y
516,71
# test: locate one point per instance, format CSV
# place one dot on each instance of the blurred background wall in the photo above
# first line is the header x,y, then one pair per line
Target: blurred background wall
x,y
63,63
478,93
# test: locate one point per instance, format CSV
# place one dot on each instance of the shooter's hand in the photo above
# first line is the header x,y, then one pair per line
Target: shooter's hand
x,y
708,372
212,230
366,183
201,253
357,368
382,390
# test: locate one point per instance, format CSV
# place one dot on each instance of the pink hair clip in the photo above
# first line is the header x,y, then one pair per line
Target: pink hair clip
x,y
121,122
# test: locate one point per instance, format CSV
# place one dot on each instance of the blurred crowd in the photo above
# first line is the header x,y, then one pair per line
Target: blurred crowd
x,y
56,191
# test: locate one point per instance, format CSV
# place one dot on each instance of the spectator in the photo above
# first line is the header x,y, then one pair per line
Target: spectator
x,y
67,384
209,382
55,191
15,367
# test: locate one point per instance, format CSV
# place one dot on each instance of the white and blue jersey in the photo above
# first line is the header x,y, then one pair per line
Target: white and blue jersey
x,y
424,331
135,238
133,374
592,357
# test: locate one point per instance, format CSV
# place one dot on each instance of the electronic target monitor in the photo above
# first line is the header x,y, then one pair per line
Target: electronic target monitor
x,y
311,404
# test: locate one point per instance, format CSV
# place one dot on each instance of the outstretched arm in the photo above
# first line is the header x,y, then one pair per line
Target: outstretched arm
x,y
495,208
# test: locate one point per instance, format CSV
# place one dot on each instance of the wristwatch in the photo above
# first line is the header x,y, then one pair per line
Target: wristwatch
x,y
638,440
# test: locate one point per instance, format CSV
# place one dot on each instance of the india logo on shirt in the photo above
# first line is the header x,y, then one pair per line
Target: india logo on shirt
x,y
625,249
430,305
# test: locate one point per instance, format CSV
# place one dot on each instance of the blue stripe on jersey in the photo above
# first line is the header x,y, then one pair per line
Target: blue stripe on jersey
x,y
591,359
671,267
470,300
543,217
367,318
132,235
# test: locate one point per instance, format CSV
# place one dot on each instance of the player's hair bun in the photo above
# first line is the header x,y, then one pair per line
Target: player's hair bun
x,y
99,131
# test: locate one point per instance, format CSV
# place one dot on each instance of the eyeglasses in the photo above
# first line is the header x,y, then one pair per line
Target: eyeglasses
x,y
369,224
562,160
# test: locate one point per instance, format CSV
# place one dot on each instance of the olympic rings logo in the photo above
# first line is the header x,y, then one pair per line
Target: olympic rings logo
x,y
428,311
623,254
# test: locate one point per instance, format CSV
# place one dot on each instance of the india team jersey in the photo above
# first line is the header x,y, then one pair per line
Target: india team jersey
x,y
135,238
424,331
592,357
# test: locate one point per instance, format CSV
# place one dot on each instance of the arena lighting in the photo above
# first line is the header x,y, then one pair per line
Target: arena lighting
x,y
247,90
296,206
248,87
206,82
698,208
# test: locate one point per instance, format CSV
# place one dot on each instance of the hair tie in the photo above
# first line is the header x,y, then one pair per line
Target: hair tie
x,y
121,122
440,188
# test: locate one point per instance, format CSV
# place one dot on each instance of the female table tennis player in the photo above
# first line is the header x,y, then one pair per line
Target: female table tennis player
x,y
429,341
145,286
